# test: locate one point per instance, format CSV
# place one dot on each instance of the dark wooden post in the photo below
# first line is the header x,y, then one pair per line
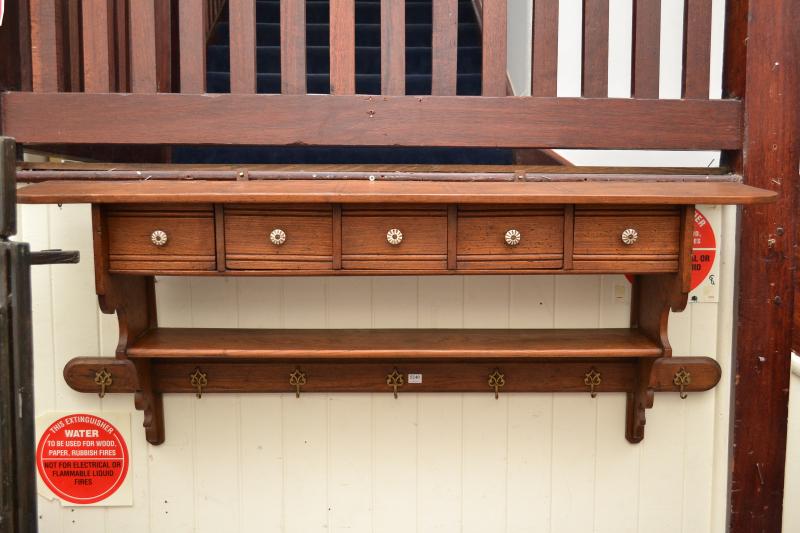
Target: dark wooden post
x,y
762,65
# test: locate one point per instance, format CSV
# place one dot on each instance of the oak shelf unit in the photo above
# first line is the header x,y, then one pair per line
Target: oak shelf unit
x,y
420,221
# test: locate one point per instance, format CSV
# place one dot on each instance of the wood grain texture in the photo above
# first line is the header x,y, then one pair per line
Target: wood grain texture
x,y
646,48
544,68
343,46
308,230
762,67
697,49
355,192
46,51
293,46
393,47
242,14
594,80
445,47
191,31
97,45
143,46
402,120
371,377
495,47
392,343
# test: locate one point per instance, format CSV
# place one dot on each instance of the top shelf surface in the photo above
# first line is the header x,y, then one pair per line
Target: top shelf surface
x,y
394,192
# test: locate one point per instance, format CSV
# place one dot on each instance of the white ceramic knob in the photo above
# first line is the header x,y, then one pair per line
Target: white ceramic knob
x,y
394,236
630,236
513,237
158,237
277,237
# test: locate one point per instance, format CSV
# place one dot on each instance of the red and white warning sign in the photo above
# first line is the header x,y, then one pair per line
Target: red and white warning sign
x,y
704,250
82,458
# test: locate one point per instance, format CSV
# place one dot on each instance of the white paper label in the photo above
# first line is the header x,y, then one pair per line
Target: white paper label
x,y
415,379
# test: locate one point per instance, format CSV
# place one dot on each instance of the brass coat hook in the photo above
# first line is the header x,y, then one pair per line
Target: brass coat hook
x,y
297,379
592,379
682,379
103,379
497,381
395,380
199,381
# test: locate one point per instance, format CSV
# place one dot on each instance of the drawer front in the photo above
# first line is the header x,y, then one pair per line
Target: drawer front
x,y
394,238
164,239
508,238
279,238
629,240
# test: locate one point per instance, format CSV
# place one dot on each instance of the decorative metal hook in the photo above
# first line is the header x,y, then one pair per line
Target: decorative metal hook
x,y
103,379
395,380
682,379
497,381
592,379
297,379
199,381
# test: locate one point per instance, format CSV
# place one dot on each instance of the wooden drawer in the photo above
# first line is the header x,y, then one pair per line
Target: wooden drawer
x,y
627,240
306,231
365,238
163,239
538,234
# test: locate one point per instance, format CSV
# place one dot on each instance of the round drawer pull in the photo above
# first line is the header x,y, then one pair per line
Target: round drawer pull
x,y
277,237
394,236
158,237
513,237
630,236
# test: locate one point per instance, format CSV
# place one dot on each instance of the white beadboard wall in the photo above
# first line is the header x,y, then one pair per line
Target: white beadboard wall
x,y
425,462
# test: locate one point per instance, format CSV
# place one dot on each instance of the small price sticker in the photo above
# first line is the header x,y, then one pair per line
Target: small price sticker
x,y
415,379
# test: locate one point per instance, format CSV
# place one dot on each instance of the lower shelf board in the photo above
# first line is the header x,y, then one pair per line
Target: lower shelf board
x,y
394,344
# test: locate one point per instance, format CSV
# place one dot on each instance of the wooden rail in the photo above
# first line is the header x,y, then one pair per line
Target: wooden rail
x,y
442,119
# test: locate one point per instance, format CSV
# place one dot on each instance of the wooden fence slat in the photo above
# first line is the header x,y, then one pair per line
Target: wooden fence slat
x,y
121,35
343,46
445,47
192,32
242,15
46,54
595,48
393,47
143,46
73,44
164,44
532,122
697,48
293,46
646,48
544,71
495,26
97,46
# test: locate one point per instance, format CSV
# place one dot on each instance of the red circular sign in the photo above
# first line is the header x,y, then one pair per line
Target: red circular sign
x,y
704,249
82,458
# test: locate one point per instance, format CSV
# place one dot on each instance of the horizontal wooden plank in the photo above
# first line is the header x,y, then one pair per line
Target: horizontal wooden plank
x,y
514,122
327,376
394,192
393,343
